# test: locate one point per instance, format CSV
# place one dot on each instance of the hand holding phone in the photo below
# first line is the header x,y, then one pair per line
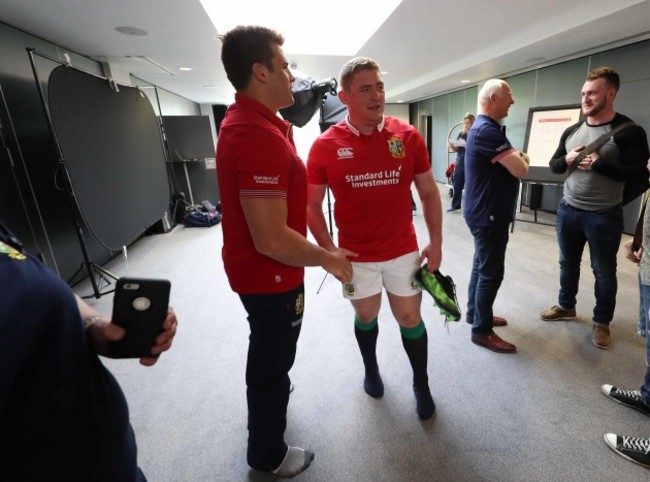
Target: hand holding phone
x,y
140,307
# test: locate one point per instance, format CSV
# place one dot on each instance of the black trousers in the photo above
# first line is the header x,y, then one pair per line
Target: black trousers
x,y
275,321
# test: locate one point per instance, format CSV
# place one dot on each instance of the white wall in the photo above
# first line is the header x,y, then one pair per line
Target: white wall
x,y
306,135
399,111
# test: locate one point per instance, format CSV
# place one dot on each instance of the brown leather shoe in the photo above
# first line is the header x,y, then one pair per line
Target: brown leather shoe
x,y
600,336
494,342
496,321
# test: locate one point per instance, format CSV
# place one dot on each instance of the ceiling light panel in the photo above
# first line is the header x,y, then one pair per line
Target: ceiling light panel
x,y
309,28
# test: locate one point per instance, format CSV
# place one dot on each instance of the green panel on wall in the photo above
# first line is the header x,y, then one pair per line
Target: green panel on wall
x,y
439,138
471,100
633,97
456,108
630,61
523,91
561,84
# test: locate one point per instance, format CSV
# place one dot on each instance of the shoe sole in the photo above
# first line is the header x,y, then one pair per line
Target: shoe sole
x,y
562,318
620,402
494,324
602,347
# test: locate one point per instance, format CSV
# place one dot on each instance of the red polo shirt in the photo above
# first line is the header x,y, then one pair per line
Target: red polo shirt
x,y
256,158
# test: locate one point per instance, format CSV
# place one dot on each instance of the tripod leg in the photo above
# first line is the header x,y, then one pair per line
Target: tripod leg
x,y
322,283
105,271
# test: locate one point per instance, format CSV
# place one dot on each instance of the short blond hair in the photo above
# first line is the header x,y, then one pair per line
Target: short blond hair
x,y
353,66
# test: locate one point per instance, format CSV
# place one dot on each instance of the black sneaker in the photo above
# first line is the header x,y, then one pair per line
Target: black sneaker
x,y
631,398
442,289
634,449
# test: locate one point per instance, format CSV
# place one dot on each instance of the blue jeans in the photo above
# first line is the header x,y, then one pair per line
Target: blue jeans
x,y
487,274
644,291
602,230
644,306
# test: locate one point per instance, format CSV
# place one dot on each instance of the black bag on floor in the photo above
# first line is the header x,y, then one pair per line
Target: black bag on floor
x,y
200,219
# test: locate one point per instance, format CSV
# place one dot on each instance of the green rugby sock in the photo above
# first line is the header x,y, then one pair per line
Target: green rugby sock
x,y
365,326
413,333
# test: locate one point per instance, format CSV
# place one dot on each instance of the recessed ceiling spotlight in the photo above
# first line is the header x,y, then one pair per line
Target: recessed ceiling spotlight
x,y
465,81
185,69
400,101
131,31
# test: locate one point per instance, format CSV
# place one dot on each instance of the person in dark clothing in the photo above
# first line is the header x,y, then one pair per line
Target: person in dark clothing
x,y
494,168
62,414
458,177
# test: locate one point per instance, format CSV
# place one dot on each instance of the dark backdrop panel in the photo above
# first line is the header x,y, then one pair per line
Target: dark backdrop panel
x,y
203,181
112,148
188,137
11,195
38,158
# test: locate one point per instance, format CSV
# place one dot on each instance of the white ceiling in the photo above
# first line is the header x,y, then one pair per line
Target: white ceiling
x,y
426,46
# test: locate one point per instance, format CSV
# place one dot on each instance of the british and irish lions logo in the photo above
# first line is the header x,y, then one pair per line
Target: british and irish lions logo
x,y
348,288
396,147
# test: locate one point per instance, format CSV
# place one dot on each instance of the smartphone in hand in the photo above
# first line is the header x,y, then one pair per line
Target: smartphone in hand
x,y
140,307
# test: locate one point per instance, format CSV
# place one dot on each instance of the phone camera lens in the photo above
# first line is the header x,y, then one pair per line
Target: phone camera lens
x,y
141,303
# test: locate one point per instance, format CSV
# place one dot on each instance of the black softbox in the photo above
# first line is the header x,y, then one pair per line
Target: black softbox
x,y
332,111
308,96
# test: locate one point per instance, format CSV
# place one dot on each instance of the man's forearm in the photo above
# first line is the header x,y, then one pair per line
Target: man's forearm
x,y
293,249
318,228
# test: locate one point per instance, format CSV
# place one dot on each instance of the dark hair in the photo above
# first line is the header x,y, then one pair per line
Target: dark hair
x,y
244,46
353,66
607,73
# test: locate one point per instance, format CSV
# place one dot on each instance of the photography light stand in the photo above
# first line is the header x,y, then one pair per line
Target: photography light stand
x,y
95,272
329,199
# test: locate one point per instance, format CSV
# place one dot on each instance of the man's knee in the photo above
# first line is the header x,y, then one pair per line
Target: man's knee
x,y
409,320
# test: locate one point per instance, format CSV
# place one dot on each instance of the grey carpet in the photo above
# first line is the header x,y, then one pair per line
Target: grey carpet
x,y
538,415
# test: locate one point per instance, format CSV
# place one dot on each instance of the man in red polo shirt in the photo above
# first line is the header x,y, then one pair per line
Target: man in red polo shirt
x,y
263,196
